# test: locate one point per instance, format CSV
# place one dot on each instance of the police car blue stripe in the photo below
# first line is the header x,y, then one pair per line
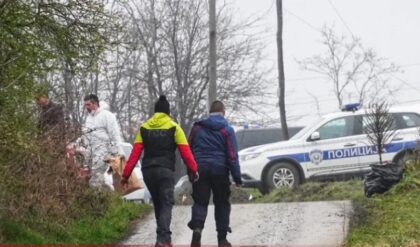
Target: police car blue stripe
x,y
299,157
348,152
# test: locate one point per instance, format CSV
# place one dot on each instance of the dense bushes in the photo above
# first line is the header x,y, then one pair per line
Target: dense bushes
x,y
36,187
36,183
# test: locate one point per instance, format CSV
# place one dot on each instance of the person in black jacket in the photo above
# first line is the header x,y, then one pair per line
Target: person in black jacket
x,y
214,146
51,115
51,122
159,137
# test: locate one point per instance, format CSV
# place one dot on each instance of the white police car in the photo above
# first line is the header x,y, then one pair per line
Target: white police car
x,y
335,145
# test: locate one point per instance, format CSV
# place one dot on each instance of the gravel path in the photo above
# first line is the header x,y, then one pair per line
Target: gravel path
x,y
291,224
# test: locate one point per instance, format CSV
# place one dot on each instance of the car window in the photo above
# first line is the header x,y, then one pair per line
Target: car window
x,y
409,120
239,136
337,128
366,120
301,133
254,137
258,137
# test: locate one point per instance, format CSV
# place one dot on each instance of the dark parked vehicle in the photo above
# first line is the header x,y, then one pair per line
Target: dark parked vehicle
x,y
253,137
245,138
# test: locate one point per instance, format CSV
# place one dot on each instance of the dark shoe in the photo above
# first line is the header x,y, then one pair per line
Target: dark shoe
x,y
196,238
224,243
158,244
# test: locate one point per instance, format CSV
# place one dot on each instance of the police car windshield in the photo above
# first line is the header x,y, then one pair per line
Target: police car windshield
x,y
303,131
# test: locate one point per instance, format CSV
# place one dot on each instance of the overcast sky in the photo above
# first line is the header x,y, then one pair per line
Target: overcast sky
x,y
388,26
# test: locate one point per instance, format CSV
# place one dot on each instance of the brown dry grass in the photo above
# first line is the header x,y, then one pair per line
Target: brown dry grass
x,y
44,185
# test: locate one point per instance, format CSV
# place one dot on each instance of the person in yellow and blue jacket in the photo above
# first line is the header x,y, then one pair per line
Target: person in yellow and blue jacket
x,y
159,137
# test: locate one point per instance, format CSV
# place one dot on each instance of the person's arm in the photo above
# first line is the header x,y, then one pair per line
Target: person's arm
x,y
232,153
134,156
185,150
114,132
192,135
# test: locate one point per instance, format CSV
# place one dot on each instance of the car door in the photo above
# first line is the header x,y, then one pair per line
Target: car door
x,y
406,135
367,150
335,150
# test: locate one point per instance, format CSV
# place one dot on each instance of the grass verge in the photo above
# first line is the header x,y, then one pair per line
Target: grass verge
x,y
316,191
389,219
106,229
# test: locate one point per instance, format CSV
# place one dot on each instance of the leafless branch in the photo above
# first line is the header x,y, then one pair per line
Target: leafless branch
x,y
379,126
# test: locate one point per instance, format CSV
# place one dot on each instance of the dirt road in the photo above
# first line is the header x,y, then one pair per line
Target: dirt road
x,y
291,224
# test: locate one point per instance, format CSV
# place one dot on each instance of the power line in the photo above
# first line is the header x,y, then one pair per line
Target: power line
x,y
406,83
307,100
306,78
410,65
341,18
311,102
303,20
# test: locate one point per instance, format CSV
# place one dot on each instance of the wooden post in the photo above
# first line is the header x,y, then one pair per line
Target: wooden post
x,y
212,92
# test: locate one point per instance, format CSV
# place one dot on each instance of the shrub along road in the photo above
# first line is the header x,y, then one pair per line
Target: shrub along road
x,y
296,223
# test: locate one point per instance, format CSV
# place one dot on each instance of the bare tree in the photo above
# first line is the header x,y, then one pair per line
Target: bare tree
x,y
118,72
150,47
351,67
173,38
315,98
78,32
165,51
379,126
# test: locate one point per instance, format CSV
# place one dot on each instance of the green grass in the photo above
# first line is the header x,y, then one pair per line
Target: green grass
x,y
254,193
316,191
389,219
107,229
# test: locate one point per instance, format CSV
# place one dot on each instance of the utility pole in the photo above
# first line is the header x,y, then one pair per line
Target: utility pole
x,y
282,89
212,53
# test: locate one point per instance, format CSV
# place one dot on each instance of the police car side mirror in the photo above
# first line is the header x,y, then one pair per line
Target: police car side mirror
x,y
315,136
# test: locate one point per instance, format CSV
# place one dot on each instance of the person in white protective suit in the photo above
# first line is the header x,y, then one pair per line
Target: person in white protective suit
x,y
101,136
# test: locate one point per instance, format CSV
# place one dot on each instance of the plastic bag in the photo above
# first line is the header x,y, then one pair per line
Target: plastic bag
x,y
381,178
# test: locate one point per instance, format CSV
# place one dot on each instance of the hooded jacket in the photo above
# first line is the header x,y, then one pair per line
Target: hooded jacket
x,y
102,136
213,142
159,137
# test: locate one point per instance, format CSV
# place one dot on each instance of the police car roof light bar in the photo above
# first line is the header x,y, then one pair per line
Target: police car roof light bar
x,y
351,107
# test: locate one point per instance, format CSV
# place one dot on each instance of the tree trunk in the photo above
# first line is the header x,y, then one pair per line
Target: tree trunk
x,y
212,52
282,88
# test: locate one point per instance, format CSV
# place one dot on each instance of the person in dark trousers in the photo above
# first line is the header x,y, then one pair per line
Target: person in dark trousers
x,y
214,146
159,137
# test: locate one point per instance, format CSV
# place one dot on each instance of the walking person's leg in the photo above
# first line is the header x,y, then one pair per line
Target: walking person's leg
x,y
221,193
201,195
166,203
152,182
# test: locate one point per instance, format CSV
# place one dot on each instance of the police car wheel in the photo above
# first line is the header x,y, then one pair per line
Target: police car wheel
x,y
281,175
